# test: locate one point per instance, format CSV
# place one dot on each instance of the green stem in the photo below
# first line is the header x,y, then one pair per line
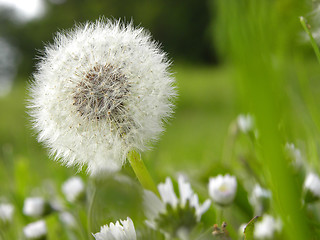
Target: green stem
x,y
219,215
313,42
228,146
90,209
141,172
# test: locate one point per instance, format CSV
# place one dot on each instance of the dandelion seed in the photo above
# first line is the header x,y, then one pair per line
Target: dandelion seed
x,y
36,230
222,189
120,231
73,189
100,91
6,212
172,215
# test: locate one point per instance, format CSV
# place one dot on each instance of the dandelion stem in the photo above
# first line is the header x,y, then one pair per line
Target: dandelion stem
x,y
313,42
90,209
141,172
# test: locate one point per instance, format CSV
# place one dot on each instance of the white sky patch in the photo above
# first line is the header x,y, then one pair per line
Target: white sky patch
x,y
25,9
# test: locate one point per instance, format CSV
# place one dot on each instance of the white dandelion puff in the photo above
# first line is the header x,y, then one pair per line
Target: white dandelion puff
x,y
73,189
35,230
100,91
223,189
123,230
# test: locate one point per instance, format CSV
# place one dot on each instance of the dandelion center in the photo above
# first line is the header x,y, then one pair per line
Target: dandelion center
x,y
101,94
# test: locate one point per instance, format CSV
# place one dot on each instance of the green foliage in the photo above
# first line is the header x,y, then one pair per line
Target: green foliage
x,y
249,229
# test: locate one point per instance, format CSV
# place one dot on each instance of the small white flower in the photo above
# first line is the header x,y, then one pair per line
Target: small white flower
x,y
6,212
260,199
68,219
35,230
123,231
73,189
156,208
222,189
267,227
34,207
245,123
312,184
294,154
101,90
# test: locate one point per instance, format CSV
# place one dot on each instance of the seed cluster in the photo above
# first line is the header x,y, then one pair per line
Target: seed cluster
x,y
101,95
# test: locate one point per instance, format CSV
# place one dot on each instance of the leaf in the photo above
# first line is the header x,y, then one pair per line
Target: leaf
x,y
248,230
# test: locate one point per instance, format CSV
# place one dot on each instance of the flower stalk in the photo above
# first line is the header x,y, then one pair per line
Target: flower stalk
x,y
141,172
90,209
313,42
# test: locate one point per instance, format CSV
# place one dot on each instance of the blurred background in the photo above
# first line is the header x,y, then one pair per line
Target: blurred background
x,y
229,57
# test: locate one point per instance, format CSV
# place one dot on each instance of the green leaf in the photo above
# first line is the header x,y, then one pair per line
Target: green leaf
x,y
248,230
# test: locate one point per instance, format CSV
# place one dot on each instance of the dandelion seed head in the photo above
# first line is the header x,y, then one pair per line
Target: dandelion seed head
x,y
101,90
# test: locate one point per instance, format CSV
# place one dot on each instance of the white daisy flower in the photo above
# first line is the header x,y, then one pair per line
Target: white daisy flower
x,y
161,212
35,230
260,199
245,123
222,189
267,227
312,187
34,207
73,189
6,212
101,90
119,231
295,155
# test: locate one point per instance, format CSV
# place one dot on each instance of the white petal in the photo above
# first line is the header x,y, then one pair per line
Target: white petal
x,y
167,193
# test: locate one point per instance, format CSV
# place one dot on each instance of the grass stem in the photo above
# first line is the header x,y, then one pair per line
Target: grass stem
x,y
313,42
